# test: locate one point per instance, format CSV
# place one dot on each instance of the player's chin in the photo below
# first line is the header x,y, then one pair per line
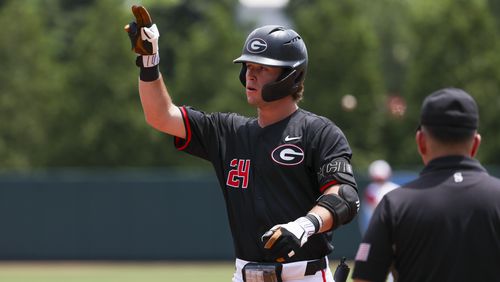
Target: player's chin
x,y
253,97
252,102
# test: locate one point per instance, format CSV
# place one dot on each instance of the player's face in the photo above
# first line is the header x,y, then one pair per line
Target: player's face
x,y
256,77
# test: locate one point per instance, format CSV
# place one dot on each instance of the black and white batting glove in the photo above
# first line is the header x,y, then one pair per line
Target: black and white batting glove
x,y
150,35
144,37
282,241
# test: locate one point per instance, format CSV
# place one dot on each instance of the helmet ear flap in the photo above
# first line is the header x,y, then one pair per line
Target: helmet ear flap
x,y
243,74
299,77
283,87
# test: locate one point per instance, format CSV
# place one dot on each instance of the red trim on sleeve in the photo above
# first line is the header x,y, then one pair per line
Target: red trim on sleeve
x,y
327,185
180,143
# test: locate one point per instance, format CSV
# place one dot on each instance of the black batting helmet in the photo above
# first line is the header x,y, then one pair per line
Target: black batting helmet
x,y
276,46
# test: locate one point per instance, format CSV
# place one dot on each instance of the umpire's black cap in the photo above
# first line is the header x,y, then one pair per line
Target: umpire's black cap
x,y
451,111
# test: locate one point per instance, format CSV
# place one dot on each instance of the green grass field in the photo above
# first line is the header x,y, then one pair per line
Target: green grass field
x,y
118,272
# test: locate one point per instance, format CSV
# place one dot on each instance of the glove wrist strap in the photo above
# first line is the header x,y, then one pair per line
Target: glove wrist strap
x,y
316,220
149,70
149,61
307,224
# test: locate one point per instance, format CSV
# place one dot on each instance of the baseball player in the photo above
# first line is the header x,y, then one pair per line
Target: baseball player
x,y
445,225
286,175
380,173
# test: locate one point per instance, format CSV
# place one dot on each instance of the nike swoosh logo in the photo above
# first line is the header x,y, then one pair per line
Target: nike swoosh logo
x,y
288,138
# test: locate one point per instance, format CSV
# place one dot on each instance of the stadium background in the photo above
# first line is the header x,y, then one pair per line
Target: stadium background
x,y
124,215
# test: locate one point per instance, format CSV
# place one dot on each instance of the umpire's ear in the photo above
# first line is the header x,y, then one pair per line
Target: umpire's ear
x,y
475,145
421,141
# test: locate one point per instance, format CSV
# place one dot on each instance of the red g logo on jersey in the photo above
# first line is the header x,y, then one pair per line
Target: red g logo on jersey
x,y
288,154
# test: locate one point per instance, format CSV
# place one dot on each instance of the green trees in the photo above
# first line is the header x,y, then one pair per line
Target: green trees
x,y
343,60
29,83
455,43
100,110
68,84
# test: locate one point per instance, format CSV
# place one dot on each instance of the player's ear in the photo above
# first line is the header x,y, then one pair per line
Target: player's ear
x,y
475,145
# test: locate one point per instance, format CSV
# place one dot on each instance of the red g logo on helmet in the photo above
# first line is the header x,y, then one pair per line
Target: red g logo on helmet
x,y
288,154
256,46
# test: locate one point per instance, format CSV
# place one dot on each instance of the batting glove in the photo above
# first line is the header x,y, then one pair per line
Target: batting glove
x,y
283,240
144,36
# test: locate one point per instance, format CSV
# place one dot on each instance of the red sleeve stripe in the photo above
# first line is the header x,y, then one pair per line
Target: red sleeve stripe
x,y
180,143
328,185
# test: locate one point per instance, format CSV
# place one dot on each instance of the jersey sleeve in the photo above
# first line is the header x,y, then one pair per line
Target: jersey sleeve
x,y
375,255
333,160
201,133
207,134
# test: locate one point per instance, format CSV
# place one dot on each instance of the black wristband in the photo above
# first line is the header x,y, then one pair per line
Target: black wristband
x,y
149,74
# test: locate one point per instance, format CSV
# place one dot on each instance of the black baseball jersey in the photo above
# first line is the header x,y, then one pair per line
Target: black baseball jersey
x,y
444,226
270,175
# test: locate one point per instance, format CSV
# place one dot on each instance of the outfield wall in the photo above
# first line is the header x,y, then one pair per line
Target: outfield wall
x,y
122,215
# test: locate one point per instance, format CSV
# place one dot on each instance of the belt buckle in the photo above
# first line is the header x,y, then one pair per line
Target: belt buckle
x,y
262,272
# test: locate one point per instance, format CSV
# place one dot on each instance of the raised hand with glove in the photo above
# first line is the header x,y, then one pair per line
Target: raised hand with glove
x,y
144,36
282,241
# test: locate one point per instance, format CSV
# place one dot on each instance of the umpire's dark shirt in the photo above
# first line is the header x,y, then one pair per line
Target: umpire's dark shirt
x,y
444,226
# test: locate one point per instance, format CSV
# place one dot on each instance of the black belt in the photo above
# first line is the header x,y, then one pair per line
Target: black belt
x,y
315,266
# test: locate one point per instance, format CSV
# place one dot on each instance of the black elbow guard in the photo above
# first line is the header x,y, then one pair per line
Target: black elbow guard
x,y
344,206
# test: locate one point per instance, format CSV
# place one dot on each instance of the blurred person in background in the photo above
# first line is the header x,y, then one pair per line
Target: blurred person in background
x,y
380,173
445,225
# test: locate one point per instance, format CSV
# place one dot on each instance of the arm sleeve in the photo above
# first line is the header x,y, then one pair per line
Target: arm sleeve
x,y
333,160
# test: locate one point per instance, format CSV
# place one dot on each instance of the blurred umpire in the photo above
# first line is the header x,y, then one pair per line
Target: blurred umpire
x,y
286,175
445,225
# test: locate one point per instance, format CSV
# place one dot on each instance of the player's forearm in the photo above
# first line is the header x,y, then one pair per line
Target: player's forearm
x,y
326,216
155,101
159,110
338,210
